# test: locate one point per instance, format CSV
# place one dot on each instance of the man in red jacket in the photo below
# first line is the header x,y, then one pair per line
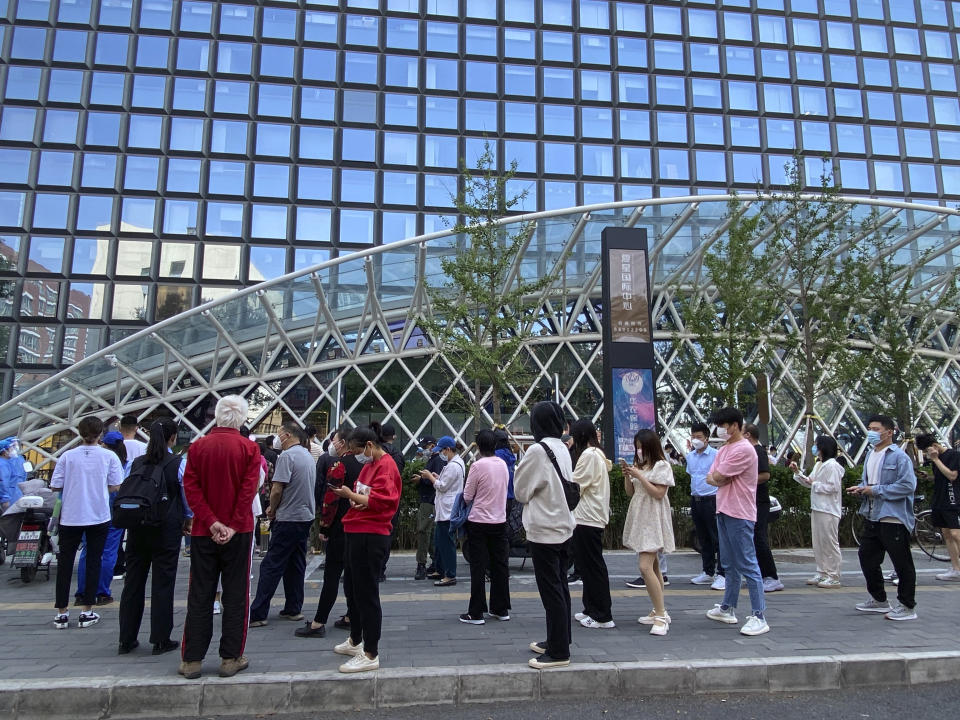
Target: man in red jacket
x,y
220,482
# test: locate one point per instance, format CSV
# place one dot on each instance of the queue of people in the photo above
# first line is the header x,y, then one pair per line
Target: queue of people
x,y
350,497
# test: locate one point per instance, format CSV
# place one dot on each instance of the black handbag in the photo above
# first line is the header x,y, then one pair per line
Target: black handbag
x,y
571,491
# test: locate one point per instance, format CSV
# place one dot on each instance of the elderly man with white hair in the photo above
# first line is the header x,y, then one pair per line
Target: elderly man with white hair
x,y
220,482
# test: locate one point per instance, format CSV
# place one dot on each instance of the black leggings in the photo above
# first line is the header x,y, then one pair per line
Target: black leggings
x,y
365,555
333,569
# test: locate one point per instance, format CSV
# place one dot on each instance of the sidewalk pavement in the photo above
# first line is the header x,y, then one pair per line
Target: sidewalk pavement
x,y
817,641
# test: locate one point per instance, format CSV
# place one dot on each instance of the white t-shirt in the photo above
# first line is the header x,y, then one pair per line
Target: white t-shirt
x,y
84,473
135,449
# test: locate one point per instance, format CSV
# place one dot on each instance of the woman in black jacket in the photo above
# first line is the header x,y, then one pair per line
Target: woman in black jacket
x,y
157,548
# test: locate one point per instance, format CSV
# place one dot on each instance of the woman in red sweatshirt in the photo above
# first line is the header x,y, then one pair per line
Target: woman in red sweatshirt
x,y
367,526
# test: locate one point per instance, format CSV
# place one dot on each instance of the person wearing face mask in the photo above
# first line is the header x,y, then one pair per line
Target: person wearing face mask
x,y
291,510
447,484
337,467
648,528
367,526
887,488
945,505
734,472
703,507
826,485
549,524
761,543
9,490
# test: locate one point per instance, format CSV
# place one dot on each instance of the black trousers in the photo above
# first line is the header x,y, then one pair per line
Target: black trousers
x,y
550,568
333,569
892,539
703,511
229,565
488,550
155,550
286,560
393,534
588,551
761,543
70,538
365,553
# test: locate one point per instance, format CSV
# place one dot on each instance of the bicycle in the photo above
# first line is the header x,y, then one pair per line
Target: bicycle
x,y
928,537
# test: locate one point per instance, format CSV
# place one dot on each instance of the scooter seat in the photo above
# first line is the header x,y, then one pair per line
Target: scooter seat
x,y
30,501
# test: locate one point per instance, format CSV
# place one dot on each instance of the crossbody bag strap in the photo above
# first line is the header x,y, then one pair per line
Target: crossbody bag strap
x,y
553,459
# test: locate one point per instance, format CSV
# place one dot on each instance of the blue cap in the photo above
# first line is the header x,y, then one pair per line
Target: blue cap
x,y
112,438
12,439
446,443
5,445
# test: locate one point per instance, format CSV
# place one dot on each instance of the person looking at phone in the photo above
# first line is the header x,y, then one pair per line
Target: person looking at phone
x,y
886,491
703,506
945,506
826,484
734,472
648,528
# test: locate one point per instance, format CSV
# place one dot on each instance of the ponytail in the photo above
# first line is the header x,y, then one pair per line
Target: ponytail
x,y
160,433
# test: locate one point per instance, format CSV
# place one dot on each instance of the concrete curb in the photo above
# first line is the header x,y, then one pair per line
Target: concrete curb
x,y
280,693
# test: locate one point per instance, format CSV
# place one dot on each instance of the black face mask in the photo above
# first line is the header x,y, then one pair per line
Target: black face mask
x,y
546,420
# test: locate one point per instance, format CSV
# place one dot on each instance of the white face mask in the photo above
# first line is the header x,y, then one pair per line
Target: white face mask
x,y
722,433
332,450
363,459
697,444
277,445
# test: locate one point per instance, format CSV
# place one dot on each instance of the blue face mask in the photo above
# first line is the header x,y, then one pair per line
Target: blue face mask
x,y
815,450
873,437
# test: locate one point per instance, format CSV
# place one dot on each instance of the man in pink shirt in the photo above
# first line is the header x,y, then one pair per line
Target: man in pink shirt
x,y
734,472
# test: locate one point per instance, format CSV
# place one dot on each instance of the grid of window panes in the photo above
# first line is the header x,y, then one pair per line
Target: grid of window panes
x,y
157,153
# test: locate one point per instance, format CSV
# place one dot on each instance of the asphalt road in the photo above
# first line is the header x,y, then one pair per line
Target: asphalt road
x,y
917,703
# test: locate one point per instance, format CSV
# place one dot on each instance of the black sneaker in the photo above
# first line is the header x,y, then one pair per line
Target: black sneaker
x,y
666,581
61,621
164,647
540,648
573,579
343,623
104,599
127,648
308,631
421,573
638,583
87,619
470,620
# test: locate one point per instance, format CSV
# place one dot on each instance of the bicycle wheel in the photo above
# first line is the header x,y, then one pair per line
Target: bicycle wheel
x,y
930,538
856,527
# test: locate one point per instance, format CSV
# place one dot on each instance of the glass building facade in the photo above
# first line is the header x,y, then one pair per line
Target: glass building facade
x,y
156,154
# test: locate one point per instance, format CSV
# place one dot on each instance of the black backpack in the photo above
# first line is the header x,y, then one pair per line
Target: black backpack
x,y
571,491
143,498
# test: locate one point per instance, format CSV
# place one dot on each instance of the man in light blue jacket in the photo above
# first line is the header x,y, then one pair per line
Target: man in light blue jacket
x,y
887,488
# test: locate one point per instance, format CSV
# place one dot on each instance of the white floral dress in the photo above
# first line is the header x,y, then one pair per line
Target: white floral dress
x,y
649,523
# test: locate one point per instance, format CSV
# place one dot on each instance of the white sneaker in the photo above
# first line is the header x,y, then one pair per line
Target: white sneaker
x,y
217,607
360,663
829,583
579,617
648,619
702,579
87,619
61,621
816,579
755,626
660,626
728,616
591,623
501,618
719,583
949,576
772,584
901,612
348,648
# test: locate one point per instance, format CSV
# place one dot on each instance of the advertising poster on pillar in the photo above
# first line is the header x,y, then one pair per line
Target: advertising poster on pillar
x,y
629,398
629,314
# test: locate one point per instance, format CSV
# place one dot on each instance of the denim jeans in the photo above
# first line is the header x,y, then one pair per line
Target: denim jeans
x,y
445,549
739,559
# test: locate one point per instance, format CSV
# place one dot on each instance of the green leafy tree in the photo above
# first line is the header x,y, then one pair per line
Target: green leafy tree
x,y
820,277
731,311
484,306
905,309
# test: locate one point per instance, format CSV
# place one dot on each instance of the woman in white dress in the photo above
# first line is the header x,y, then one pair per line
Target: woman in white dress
x,y
648,528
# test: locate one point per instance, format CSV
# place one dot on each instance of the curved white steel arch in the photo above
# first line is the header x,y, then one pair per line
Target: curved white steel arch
x,y
312,327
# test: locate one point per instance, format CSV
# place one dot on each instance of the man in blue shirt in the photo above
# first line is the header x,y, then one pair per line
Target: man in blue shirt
x,y
703,507
887,488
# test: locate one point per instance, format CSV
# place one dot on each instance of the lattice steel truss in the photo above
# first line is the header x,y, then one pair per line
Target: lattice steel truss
x,y
355,323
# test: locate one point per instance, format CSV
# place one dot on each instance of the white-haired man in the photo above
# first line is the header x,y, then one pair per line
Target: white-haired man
x,y
220,482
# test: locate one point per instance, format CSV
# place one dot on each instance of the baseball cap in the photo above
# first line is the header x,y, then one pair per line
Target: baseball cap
x,y
446,443
112,438
388,431
428,440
